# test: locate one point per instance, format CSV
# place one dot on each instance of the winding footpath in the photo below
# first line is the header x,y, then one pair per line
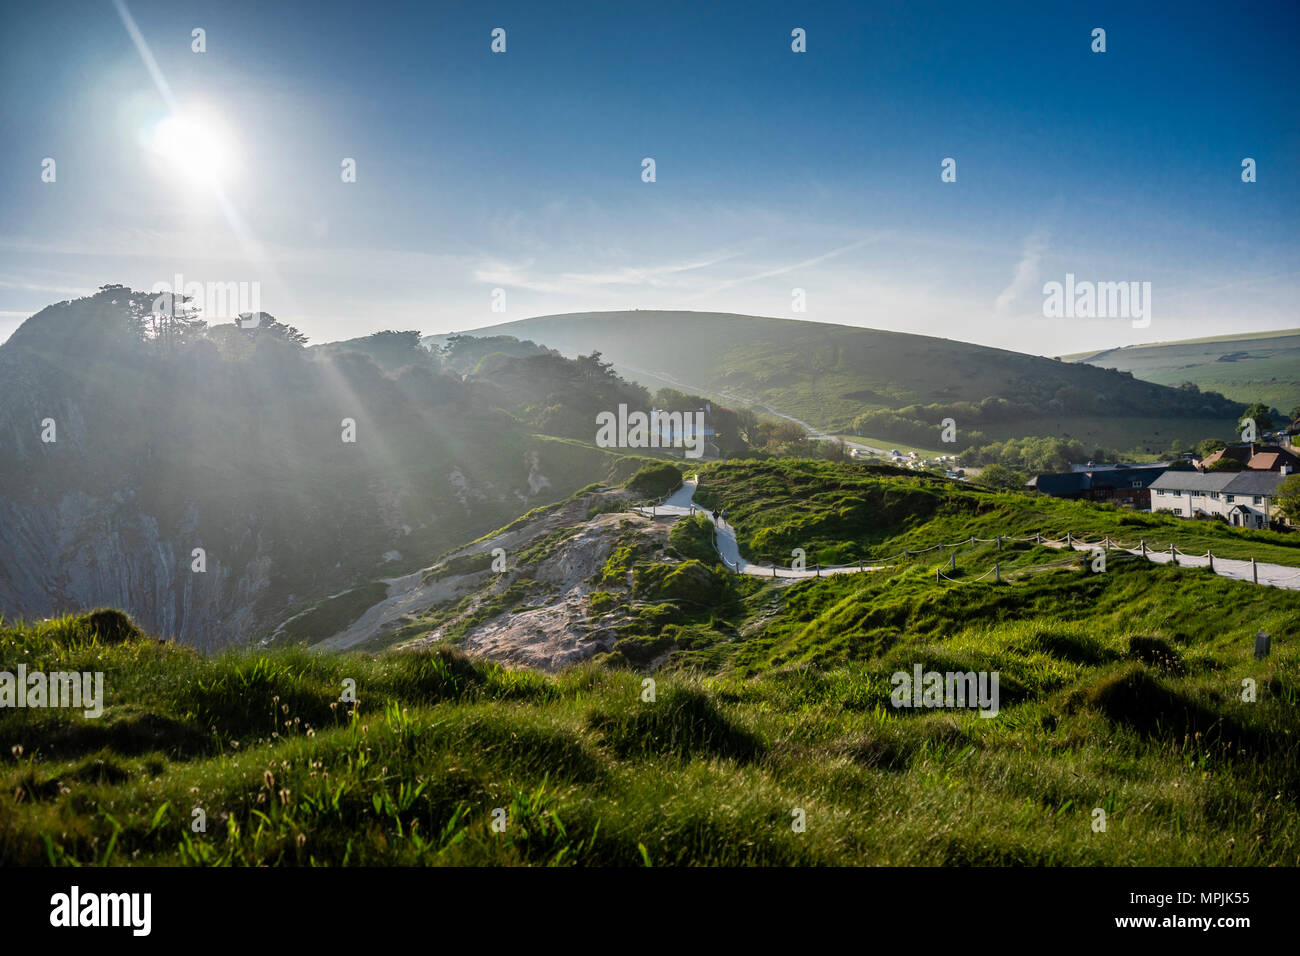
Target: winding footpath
x,y
682,503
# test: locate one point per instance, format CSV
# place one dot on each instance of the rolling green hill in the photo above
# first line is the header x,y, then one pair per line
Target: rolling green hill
x,y
1119,690
848,379
1250,367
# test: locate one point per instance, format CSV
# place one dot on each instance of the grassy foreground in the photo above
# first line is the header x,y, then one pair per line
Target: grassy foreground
x,y
581,769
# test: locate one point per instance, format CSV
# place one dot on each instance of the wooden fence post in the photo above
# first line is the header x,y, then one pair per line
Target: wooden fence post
x,y
1254,571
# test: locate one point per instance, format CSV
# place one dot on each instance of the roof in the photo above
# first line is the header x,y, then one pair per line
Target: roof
x,y
1229,482
1193,481
1124,477
1255,483
1061,485
1268,460
1074,482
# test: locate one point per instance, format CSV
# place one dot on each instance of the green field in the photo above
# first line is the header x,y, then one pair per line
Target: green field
x,y
1120,691
1250,367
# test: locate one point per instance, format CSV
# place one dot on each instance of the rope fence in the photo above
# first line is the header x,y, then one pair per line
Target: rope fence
x,y
1069,540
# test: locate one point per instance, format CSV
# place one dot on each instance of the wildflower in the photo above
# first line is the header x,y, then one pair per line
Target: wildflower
x,y
302,840
284,798
17,750
268,779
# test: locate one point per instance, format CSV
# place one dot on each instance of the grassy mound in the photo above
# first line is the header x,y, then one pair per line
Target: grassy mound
x,y
293,758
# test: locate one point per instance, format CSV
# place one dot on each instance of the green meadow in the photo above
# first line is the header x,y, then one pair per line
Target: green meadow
x,y
761,731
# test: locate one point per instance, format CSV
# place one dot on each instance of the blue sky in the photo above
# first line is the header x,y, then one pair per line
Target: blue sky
x,y
775,170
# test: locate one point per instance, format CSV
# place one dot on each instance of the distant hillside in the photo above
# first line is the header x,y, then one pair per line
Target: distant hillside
x,y
1250,367
847,379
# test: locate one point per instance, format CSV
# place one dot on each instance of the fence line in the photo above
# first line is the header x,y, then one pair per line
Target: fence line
x,y
1069,540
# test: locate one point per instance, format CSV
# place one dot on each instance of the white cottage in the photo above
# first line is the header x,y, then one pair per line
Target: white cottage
x,y
1243,498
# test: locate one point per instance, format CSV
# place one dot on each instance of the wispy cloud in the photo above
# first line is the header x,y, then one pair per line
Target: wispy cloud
x,y
1025,276
782,270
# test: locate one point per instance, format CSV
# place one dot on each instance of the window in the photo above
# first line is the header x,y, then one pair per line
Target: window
x,y
1178,511
1259,499
1160,492
1214,495
1229,498
1136,484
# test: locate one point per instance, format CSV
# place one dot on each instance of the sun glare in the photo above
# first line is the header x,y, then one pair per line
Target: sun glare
x,y
196,147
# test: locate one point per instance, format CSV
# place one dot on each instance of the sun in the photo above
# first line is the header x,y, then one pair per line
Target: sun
x,y
196,147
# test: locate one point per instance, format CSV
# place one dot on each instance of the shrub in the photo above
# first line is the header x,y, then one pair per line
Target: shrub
x,y
656,480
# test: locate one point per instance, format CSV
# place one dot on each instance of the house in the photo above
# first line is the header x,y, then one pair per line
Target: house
x,y
1242,498
1127,485
1255,457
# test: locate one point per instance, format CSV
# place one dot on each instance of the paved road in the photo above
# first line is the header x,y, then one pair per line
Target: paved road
x,y
682,502
813,433
1274,575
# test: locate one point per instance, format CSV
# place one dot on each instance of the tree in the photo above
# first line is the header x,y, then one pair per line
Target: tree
x,y
834,450
1263,418
1287,497
266,324
1209,446
1000,476
1225,464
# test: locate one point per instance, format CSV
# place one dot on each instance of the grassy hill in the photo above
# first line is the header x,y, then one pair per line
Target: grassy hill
x,y
1249,367
831,375
1120,690
840,513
